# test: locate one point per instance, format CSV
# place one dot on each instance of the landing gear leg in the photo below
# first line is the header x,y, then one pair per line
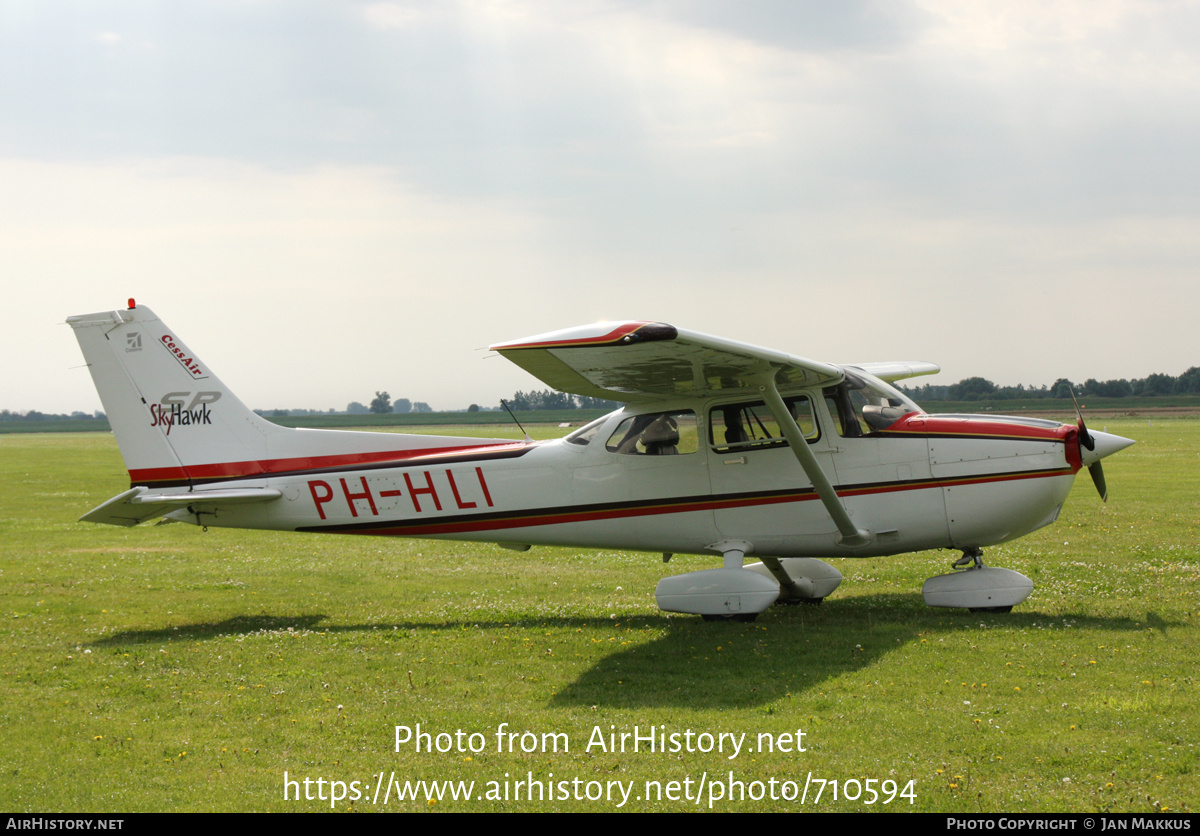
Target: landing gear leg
x,y
802,580
973,556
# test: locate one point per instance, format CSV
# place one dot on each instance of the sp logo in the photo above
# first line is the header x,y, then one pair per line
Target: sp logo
x,y
189,400
183,409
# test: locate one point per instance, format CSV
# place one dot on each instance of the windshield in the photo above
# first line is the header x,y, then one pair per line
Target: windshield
x,y
587,432
861,405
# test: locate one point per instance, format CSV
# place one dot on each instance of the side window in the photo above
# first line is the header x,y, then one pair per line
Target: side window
x,y
656,434
741,426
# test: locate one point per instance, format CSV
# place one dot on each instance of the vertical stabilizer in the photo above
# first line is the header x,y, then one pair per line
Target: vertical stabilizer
x,y
173,419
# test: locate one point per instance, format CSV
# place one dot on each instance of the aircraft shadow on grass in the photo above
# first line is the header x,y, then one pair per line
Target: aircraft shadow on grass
x,y
241,625
800,652
694,662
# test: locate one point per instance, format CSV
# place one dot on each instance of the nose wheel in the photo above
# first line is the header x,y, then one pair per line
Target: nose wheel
x,y
976,587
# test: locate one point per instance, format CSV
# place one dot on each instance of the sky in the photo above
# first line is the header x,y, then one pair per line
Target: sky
x,y
326,199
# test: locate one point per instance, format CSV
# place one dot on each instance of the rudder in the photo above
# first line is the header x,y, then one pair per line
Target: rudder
x,y
174,420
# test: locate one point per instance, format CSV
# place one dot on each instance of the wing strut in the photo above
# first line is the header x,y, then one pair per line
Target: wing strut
x,y
852,536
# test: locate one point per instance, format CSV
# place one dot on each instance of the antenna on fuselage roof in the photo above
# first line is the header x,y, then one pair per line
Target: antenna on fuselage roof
x,y
504,404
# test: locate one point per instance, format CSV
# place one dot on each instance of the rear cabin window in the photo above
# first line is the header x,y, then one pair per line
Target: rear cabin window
x,y
656,434
750,425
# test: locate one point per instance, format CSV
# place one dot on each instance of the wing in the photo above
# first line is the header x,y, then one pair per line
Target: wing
x,y
897,370
636,362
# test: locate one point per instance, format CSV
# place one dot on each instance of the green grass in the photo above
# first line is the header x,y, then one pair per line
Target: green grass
x,y
168,668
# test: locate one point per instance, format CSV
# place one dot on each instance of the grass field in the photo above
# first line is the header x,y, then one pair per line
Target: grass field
x,y
168,668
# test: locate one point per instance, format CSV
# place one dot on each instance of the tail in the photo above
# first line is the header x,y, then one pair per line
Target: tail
x,y
189,442
176,423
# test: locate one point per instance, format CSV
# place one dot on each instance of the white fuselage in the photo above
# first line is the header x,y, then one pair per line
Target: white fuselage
x,y
927,482
723,448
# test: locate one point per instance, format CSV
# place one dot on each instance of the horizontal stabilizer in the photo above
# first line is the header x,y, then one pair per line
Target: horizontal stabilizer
x,y
138,504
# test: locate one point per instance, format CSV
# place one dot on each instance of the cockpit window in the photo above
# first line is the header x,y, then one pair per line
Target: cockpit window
x,y
584,435
655,434
750,425
862,406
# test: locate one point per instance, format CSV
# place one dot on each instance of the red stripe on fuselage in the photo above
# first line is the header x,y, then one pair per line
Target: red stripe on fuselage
x,y
269,467
966,427
916,423
550,516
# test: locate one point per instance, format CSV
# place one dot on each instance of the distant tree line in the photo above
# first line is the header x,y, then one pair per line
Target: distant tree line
x,y
283,413
982,389
971,389
382,404
34,415
549,399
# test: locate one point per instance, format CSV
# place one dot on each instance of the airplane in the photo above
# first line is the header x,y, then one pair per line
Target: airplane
x,y
721,449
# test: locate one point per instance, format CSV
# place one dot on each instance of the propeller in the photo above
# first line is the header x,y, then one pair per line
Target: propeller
x,y
1088,442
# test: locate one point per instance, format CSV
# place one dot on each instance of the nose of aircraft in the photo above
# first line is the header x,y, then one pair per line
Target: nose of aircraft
x,y
1095,446
1103,444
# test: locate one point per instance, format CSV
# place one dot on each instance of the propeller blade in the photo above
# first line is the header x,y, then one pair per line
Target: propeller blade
x,y
1108,444
1085,437
1097,472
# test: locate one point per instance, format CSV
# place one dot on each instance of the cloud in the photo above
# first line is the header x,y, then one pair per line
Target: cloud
x,y
924,168
1048,106
806,26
